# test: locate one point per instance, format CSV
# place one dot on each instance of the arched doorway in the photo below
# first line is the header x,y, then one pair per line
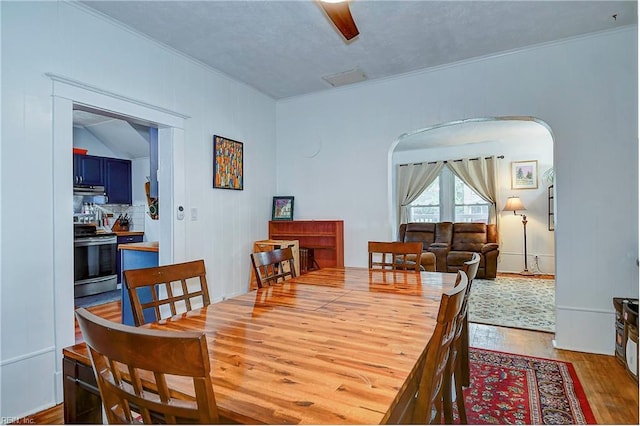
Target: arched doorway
x,y
515,139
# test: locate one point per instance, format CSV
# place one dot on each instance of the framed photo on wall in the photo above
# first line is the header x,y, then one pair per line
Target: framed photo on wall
x,y
524,174
282,208
227,163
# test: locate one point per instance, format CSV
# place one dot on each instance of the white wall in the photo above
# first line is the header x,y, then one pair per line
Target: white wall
x,y
56,37
84,139
531,145
139,173
585,89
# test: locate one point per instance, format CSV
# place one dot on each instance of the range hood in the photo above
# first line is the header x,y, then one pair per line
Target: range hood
x,y
88,190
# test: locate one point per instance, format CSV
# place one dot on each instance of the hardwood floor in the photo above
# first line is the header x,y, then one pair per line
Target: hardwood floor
x,y
612,393
111,311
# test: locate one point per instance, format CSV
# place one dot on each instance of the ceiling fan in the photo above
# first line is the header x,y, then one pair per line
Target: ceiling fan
x,y
339,13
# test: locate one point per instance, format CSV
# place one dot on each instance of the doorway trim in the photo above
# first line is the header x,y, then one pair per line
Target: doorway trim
x,y
66,93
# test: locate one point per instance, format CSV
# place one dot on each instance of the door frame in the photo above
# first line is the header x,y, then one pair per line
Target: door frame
x,y
67,93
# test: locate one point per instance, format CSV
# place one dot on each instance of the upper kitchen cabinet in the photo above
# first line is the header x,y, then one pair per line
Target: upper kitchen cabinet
x,y
88,170
118,180
112,173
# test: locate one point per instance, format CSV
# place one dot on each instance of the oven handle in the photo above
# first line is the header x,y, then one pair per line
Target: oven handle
x,y
94,241
113,277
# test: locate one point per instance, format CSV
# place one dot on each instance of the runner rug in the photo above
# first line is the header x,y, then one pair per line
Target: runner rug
x,y
527,303
97,299
516,389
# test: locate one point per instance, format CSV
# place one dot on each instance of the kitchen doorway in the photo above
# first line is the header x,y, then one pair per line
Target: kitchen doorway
x,y
115,161
67,94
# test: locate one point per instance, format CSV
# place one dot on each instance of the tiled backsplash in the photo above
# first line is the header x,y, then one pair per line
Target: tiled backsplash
x,y
135,212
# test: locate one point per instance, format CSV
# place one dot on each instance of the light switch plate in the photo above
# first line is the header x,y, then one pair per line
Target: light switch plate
x,y
194,213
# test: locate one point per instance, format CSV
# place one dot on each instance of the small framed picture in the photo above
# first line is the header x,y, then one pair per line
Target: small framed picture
x,y
524,174
282,208
227,163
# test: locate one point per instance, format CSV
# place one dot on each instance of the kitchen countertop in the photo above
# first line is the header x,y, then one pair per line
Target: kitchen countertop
x,y
146,246
128,233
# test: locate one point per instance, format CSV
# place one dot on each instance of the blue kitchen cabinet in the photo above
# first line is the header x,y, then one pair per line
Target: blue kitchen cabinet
x,y
118,180
88,170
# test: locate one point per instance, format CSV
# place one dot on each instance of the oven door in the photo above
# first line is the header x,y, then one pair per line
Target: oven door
x,y
94,259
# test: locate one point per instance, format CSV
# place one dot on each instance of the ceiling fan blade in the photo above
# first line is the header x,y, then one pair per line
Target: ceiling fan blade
x,y
340,15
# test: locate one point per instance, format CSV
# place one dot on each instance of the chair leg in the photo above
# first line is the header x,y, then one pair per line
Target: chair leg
x,y
453,382
447,388
465,374
462,412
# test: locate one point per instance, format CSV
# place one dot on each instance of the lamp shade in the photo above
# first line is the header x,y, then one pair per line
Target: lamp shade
x,y
513,204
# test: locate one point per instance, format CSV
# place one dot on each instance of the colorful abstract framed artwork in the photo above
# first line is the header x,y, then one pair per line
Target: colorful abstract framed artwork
x,y
524,174
227,163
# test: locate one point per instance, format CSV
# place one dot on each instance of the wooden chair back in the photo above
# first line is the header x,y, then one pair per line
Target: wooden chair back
x,y
470,268
133,367
395,255
173,289
421,402
272,266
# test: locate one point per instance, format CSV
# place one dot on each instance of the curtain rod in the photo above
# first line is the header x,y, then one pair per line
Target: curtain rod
x,y
445,162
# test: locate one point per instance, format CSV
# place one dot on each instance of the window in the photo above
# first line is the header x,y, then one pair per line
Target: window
x,y
449,199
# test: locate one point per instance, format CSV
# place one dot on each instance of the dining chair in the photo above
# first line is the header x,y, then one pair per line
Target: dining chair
x,y
470,268
457,374
395,255
422,400
272,266
134,368
163,291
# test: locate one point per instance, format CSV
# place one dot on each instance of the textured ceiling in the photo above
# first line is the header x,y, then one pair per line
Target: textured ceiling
x,y
284,48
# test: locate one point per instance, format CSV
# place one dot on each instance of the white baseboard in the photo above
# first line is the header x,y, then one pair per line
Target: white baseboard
x,y
585,330
509,262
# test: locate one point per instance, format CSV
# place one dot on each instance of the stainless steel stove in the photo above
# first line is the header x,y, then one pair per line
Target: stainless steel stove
x,y
94,259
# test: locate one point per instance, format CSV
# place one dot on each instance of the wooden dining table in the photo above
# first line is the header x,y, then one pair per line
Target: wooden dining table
x,y
334,346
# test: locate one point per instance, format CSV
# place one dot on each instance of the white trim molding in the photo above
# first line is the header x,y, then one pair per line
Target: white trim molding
x,y
66,93
73,90
27,356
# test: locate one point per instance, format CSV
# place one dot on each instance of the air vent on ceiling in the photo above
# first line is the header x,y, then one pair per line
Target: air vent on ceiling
x,y
347,77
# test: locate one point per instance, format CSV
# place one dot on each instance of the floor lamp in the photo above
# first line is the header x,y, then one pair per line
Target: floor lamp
x,y
513,204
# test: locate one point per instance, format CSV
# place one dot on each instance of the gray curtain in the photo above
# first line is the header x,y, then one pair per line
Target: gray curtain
x,y
412,180
481,174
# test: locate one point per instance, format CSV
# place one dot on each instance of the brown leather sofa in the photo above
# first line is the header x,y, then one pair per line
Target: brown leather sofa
x,y
454,243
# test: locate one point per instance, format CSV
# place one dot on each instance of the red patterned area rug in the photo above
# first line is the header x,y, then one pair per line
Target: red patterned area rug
x,y
516,389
